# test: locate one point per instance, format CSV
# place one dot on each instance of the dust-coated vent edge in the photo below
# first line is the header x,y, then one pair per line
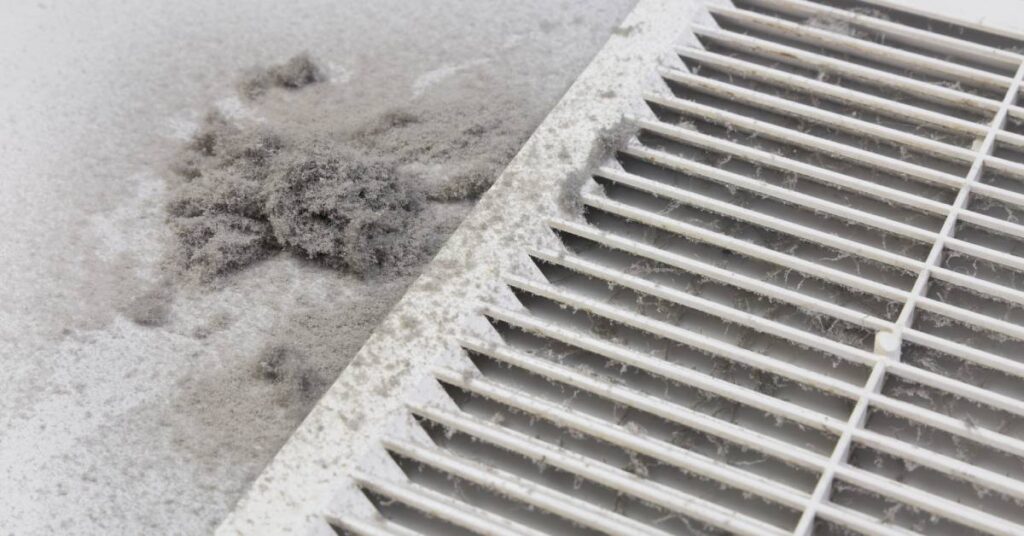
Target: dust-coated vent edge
x,y
309,480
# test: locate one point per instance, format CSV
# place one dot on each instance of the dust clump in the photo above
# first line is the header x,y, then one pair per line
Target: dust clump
x,y
363,197
296,73
298,378
151,308
608,141
360,193
346,210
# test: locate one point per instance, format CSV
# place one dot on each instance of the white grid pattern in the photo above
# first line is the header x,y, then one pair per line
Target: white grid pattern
x,y
645,223
888,346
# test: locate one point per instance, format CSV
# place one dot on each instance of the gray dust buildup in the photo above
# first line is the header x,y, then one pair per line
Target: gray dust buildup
x,y
609,140
300,71
355,198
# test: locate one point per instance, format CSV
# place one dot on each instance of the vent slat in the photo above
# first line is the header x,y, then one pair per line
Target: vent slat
x,y
1008,167
945,464
973,355
764,101
803,232
745,319
668,453
740,246
948,424
970,317
928,502
958,388
993,224
903,409
836,93
669,498
785,195
729,277
789,55
724,276
681,415
1002,194
986,253
570,508
822,175
864,49
635,440
444,507
980,286
900,33
372,527
682,375
692,339
805,141
886,487
727,314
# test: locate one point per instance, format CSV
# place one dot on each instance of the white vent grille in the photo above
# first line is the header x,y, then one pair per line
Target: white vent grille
x,y
795,304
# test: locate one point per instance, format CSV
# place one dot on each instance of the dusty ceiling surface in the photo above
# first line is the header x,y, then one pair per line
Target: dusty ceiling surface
x,y
130,405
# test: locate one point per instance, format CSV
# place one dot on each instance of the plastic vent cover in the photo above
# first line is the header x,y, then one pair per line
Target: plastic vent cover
x,y
792,304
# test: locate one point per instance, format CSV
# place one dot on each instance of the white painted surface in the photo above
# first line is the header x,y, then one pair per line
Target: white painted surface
x,y
93,98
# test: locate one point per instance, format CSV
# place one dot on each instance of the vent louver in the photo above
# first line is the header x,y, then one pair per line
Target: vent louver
x,y
794,304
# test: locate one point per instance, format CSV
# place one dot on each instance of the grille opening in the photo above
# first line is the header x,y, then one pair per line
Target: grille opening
x,y
846,197
965,450
818,324
626,459
921,22
894,512
811,98
968,334
687,396
824,527
962,370
813,127
983,269
996,208
483,497
970,494
872,236
977,414
821,130
977,303
708,445
1001,180
991,239
721,293
721,368
410,517
539,471
881,37
787,63
817,158
755,30
1014,124
1009,152
761,236
696,400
